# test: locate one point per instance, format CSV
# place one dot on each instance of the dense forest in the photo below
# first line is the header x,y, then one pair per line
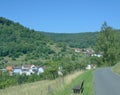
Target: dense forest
x,y
16,40
74,40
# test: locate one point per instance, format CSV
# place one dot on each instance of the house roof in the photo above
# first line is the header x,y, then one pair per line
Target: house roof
x,y
9,68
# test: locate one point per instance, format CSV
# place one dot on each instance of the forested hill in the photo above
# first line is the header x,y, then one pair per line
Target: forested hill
x,y
80,40
20,45
16,40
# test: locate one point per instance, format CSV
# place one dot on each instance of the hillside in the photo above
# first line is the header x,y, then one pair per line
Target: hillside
x,y
16,39
20,45
74,40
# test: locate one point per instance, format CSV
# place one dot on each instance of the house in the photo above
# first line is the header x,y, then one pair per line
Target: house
x,y
77,50
88,67
97,55
40,70
29,69
10,70
25,69
92,66
17,70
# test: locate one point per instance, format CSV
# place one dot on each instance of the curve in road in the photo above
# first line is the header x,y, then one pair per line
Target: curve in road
x,y
106,82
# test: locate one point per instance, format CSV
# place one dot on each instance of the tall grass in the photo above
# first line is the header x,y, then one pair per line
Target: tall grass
x,y
60,86
46,87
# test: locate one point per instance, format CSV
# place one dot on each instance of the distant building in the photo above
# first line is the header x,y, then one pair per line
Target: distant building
x,y
40,70
77,50
10,70
88,67
92,66
97,55
29,69
17,70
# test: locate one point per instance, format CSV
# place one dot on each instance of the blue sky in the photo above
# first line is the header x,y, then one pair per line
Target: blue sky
x,y
62,16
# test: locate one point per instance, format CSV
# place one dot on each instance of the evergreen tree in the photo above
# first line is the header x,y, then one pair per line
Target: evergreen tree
x,y
108,44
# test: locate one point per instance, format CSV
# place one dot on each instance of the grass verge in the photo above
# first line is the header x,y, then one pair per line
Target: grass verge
x,y
60,86
45,87
88,85
116,68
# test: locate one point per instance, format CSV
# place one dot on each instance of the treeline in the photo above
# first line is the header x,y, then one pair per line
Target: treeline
x,y
76,40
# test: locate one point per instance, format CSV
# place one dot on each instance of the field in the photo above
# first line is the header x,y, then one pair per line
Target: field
x,y
60,86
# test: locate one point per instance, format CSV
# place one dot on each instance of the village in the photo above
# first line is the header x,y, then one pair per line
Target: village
x,y
24,69
32,69
87,52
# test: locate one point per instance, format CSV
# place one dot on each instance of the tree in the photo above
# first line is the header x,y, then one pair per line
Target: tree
x,y
52,68
108,44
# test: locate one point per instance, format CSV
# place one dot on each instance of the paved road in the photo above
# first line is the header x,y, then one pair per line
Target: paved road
x,y
106,82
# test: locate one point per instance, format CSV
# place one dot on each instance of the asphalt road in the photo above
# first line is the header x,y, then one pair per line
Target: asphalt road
x,y
106,82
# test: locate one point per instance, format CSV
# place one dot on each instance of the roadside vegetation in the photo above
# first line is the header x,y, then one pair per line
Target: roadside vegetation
x,y
107,43
44,87
116,68
59,86
87,76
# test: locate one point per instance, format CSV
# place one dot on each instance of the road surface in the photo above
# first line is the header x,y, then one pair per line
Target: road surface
x,y
106,82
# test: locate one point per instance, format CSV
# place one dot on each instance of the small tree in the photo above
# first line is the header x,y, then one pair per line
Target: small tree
x,y
52,68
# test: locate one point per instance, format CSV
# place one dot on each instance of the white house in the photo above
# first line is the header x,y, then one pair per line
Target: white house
x,y
29,69
97,55
17,71
40,70
77,50
88,67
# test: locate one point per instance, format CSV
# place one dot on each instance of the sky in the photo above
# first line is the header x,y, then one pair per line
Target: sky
x,y
62,16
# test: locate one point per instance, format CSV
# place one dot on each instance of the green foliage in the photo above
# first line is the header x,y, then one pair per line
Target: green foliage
x,y
108,44
116,68
51,71
6,80
77,40
17,40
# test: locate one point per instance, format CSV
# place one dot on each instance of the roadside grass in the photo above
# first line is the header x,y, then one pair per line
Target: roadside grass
x,y
116,68
45,87
87,76
60,86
